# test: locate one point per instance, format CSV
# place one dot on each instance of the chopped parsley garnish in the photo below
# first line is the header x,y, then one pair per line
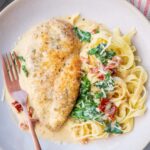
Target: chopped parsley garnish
x,y
113,128
102,54
23,64
82,35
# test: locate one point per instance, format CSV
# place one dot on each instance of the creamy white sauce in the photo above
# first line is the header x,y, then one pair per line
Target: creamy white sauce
x,y
24,49
63,135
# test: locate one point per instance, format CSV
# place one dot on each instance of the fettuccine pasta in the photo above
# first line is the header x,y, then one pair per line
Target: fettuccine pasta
x,y
112,91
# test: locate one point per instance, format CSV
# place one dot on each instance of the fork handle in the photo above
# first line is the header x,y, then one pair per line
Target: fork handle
x,y
33,133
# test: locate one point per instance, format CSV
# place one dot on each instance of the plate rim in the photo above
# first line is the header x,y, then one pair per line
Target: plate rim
x,y
128,4
125,2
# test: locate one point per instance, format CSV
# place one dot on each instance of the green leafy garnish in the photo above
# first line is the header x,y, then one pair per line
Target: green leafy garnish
x,y
23,64
107,84
113,128
102,54
25,70
99,95
82,35
85,85
110,54
21,58
85,108
86,105
97,31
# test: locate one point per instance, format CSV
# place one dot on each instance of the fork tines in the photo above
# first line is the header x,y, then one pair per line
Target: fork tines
x,y
10,67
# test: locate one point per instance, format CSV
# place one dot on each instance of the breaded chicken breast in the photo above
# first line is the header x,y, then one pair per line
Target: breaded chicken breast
x,y
51,53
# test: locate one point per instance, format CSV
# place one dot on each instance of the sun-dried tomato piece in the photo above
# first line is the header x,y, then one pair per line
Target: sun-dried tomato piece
x,y
30,111
101,76
18,106
103,104
94,70
108,108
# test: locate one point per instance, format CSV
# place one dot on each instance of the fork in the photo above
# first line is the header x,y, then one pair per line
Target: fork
x,y
12,83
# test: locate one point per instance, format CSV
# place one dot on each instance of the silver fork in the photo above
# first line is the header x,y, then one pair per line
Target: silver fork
x,y
12,83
